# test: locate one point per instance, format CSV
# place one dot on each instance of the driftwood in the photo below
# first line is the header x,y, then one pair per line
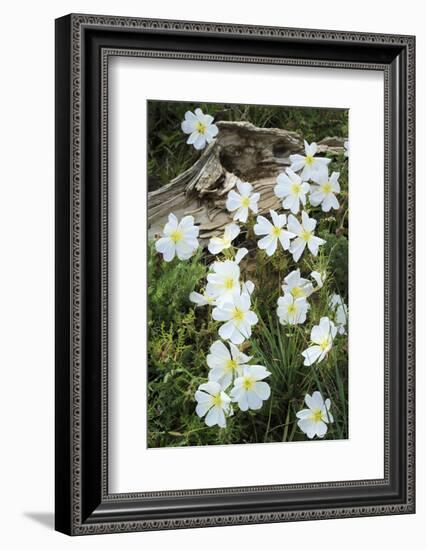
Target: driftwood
x,y
241,150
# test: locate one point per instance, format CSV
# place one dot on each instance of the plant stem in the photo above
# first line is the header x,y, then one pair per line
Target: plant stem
x,y
286,424
293,431
269,421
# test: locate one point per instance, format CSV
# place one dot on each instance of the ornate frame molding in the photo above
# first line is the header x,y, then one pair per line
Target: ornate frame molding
x,y
76,501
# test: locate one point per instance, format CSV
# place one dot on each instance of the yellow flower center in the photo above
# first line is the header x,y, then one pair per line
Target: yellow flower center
x,y
316,415
305,235
295,188
296,292
217,400
231,364
309,160
291,308
229,283
201,128
324,344
248,382
326,187
238,315
176,235
222,241
276,231
245,202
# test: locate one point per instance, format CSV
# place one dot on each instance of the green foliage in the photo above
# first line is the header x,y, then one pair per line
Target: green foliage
x,y
170,285
178,342
336,249
175,348
278,348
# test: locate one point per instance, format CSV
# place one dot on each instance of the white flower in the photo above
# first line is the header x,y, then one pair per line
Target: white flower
x,y
305,235
313,421
292,189
178,238
217,244
340,309
309,163
322,337
225,365
292,311
319,278
324,189
223,282
346,146
204,299
296,285
237,318
247,288
241,253
200,127
213,401
273,232
242,201
249,391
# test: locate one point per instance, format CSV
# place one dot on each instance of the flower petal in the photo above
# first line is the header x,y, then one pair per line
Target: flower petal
x,y
254,401
244,187
263,390
307,426
200,142
311,355
321,429
215,245
297,247
188,126
212,131
193,138
226,331
221,314
221,420
212,416
202,408
262,226
241,253
233,201
241,214
293,225
297,162
166,247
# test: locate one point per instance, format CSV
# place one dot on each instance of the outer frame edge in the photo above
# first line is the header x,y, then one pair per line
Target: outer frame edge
x,y
77,21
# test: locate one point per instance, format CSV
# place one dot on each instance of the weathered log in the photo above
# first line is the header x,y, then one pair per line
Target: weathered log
x,y
241,151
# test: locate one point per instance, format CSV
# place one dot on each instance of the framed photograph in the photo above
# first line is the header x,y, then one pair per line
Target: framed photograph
x,y
234,274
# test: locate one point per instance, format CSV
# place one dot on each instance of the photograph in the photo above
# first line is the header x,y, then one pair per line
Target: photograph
x,y
234,273
247,262
210,311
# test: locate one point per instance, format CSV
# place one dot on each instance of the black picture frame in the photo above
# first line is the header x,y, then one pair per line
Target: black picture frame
x,y
83,45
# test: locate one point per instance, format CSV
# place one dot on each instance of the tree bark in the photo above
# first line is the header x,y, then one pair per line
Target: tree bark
x,y
240,151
